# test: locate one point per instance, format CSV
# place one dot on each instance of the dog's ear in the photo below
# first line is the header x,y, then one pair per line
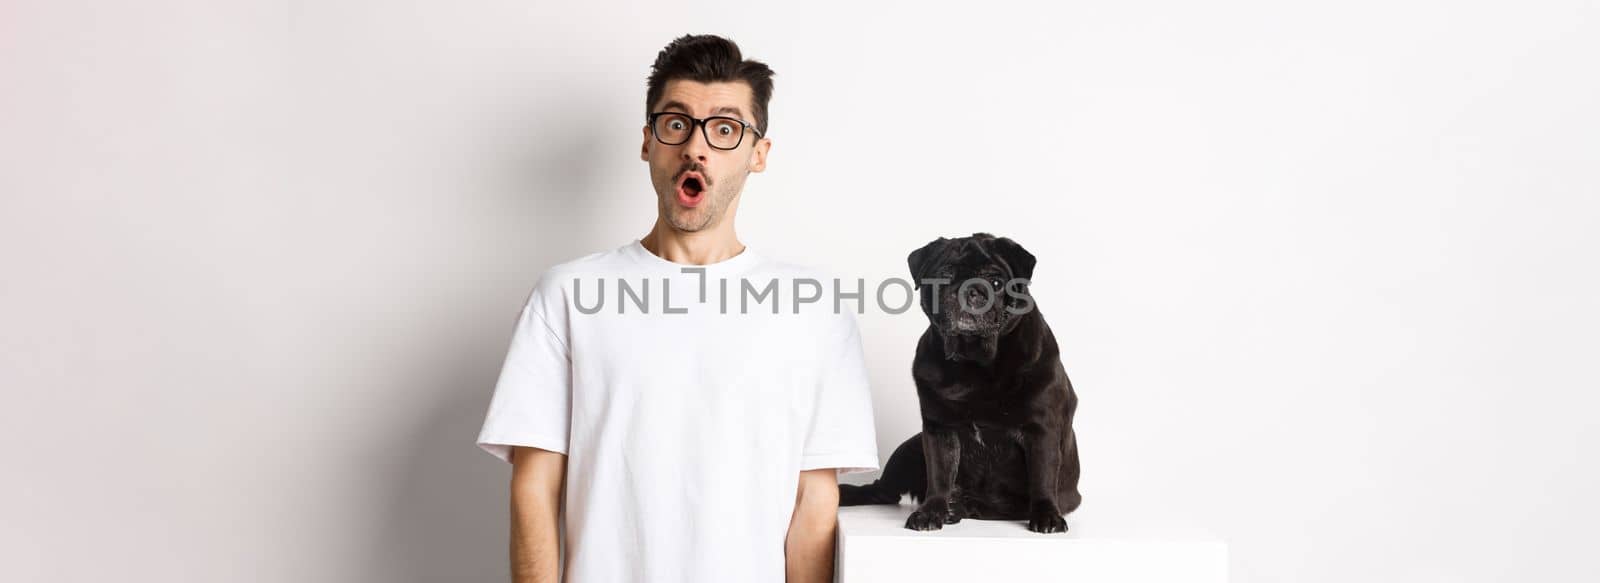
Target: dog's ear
x,y
921,260
1020,260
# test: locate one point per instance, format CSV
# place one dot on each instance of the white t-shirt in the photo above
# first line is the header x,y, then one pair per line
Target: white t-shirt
x,y
685,433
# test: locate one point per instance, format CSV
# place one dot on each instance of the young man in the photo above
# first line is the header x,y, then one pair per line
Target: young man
x,y
675,396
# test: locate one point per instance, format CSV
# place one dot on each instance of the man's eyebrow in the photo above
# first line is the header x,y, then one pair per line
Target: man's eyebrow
x,y
729,109
725,109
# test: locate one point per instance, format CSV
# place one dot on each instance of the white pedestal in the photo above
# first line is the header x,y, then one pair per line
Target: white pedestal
x,y
875,547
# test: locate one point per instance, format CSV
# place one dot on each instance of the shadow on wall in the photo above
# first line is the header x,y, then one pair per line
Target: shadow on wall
x,y
444,509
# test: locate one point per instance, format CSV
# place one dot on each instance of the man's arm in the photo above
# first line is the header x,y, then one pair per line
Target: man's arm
x,y
808,549
537,476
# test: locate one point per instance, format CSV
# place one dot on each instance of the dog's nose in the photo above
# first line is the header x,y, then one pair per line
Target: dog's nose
x,y
978,298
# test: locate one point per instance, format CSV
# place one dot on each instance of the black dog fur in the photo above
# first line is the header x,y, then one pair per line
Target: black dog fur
x,y
996,403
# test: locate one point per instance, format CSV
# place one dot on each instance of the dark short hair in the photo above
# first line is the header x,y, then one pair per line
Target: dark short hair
x,y
707,58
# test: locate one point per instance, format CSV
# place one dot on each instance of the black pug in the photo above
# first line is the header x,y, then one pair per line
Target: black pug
x,y
996,403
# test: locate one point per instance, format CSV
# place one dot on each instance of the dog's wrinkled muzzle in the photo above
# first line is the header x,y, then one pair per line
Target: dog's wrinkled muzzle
x,y
976,348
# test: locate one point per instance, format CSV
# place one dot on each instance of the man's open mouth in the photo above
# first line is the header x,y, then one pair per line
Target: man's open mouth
x,y
690,188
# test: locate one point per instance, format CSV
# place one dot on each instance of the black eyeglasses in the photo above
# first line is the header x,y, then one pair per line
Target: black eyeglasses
x,y
723,133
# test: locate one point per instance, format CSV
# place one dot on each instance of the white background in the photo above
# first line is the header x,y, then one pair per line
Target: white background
x,y
1323,274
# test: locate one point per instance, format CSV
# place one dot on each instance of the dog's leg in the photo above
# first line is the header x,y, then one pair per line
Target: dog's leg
x,y
942,450
1044,471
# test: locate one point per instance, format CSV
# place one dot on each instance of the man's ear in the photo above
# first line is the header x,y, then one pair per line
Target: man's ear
x,y
922,260
644,147
1020,260
758,160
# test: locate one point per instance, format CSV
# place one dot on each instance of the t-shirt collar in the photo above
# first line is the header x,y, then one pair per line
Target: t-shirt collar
x,y
730,265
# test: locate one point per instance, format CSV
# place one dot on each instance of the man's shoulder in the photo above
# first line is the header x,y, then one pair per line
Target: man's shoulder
x,y
612,261
786,269
552,285
836,295
603,260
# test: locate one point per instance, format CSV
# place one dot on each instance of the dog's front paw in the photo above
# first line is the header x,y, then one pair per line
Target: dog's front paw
x,y
921,520
931,515
1046,520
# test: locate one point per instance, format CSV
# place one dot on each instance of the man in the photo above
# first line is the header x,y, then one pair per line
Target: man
x,y
674,396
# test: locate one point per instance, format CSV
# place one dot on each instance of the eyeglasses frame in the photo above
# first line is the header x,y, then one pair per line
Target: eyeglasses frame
x,y
650,121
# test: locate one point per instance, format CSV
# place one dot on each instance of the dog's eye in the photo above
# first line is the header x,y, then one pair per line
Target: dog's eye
x,y
996,284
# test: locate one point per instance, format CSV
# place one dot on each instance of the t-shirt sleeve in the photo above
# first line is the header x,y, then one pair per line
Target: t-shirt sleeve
x,y
532,400
842,434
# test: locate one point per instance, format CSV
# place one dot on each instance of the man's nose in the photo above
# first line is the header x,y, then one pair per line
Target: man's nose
x,y
696,149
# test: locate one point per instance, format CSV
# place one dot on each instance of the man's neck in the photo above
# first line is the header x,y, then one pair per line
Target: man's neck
x,y
697,248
